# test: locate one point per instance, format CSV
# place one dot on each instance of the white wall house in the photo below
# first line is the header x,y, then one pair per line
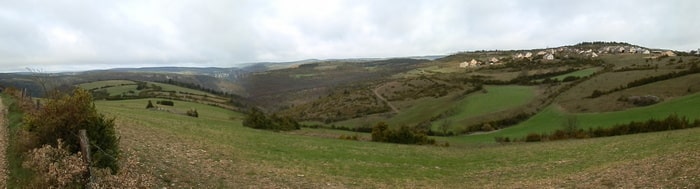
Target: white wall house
x,y
463,64
549,57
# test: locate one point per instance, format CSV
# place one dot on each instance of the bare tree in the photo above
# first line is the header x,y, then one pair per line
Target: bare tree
x,y
42,78
571,124
445,125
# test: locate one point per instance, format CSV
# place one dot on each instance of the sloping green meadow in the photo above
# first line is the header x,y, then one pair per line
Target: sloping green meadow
x,y
291,160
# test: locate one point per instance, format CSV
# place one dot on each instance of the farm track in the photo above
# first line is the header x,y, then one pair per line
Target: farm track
x,y
3,146
376,93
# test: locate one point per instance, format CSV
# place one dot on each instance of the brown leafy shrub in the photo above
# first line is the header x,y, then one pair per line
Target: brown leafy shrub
x,y
128,176
56,167
533,137
192,113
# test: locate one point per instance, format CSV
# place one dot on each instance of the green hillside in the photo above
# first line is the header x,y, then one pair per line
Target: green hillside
x,y
463,108
214,150
551,119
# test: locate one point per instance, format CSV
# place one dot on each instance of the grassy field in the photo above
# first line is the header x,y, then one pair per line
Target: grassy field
x,y
551,118
215,151
99,84
116,89
580,73
497,98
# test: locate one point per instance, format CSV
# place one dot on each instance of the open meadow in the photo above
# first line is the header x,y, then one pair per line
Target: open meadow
x,y
214,150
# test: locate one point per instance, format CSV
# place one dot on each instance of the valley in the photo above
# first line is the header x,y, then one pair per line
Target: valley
x,y
464,107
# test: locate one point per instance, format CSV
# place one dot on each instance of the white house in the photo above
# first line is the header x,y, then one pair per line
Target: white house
x,y
519,55
593,55
633,50
493,60
621,49
541,53
528,55
463,64
646,52
549,57
669,53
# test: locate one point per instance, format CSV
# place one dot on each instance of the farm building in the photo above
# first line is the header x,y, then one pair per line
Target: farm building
x,y
549,57
669,53
463,64
519,56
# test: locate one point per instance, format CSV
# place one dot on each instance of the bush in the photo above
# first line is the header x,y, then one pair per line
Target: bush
x,y
596,93
533,137
256,119
56,167
570,78
192,113
64,116
149,105
166,102
128,177
404,135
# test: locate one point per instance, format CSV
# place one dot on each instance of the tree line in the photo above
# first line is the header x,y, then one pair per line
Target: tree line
x,y
570,131
257,119
647,80
403,135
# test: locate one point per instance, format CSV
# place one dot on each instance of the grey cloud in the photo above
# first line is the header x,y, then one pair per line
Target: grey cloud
x,y
64,35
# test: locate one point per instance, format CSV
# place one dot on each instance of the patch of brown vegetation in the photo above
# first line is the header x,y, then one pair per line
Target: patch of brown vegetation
x,y
677,170
187,162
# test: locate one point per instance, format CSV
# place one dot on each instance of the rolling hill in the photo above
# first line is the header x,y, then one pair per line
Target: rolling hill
x,y
466,107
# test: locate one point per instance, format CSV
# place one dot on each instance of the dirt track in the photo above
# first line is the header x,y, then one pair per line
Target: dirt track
x,y
3,146
376,93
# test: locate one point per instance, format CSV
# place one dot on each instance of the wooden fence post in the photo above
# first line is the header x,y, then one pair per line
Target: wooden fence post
x,y
85,149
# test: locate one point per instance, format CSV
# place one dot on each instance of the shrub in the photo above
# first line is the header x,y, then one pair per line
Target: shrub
x,y
256,119
533,137
596,93
487,127
192,113
570,78
128,177
166,102
150,105
62,117
56,167
404,135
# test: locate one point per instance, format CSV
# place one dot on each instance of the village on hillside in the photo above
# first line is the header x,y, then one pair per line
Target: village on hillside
x,y
553,54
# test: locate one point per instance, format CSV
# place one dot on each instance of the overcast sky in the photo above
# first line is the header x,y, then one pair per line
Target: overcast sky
x,y
56,35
